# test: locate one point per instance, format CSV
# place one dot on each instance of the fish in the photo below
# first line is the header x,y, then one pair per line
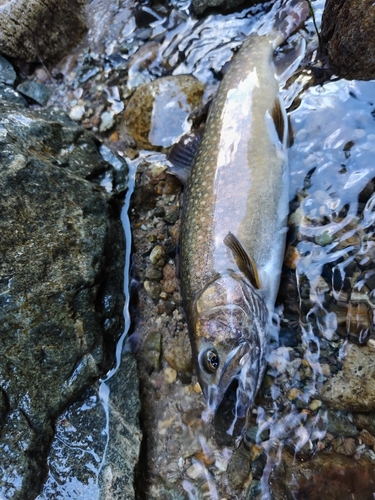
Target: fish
x,y
234,221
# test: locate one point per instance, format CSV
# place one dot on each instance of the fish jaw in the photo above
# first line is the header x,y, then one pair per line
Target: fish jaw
x,y
229,341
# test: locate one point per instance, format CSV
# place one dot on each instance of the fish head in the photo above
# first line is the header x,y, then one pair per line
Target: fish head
x,y
228,341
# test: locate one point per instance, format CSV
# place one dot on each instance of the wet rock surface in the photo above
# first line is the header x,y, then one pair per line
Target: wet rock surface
x,y
348,33
84,458
353,387
40,29
328,476
157,114
61,283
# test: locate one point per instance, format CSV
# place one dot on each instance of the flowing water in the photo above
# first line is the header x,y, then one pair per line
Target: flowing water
x,y
326,296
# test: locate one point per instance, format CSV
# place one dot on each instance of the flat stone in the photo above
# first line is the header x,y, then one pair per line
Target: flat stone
x,y
36,91
353,388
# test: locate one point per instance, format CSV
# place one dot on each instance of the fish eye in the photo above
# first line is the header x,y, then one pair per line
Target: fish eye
x,y
210,360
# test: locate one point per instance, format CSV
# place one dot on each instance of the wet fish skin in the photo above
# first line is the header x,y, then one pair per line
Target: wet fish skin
x,y
238,186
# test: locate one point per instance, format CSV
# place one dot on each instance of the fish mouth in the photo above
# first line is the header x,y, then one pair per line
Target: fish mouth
x,y
230,382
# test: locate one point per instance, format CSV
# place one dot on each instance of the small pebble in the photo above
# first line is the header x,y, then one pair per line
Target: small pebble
x,y
197,388
170,375
291,257
294,393
326,370
169,286
158,256
106,121
77,112
367,438
153,289
315,404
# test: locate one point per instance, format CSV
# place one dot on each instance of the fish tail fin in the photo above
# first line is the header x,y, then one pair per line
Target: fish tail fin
x,y
288,17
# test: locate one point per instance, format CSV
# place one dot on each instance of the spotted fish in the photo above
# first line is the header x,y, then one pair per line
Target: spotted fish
x,y
234,222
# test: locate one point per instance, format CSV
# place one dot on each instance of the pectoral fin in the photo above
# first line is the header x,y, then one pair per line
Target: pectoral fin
x,y
183,153
243,260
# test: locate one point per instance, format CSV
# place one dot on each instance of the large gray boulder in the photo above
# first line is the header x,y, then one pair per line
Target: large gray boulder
x,y
61,283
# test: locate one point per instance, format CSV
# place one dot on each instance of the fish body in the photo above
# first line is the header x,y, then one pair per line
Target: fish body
x,y
234,226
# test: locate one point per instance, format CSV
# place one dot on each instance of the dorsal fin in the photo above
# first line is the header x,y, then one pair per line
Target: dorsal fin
x,y
243,260
278,119
282,124
183,153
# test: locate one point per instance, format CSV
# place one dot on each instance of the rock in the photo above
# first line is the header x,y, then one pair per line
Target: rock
x,y
365,421
117,476
353,388
7,73
61,283
40,29
107,121
339,424
177,353
153,273
348,34
153,289
170,375
10,95
77,112
157,114
199,6
36,91
82,431
158,256
315,404
326,475
152,349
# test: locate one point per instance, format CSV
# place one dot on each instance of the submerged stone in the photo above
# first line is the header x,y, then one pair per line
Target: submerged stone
x,y
352,388
327,475
158,113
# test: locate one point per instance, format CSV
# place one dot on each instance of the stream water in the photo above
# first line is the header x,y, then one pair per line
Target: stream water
x,y
326,295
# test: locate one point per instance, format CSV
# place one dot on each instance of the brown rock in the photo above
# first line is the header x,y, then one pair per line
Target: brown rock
x,y
40,29
328,476
157,113
178,353
365,421
348,34
367,438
